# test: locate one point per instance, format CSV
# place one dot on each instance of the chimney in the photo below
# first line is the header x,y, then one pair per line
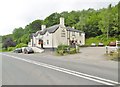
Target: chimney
x,y
43,27
62,21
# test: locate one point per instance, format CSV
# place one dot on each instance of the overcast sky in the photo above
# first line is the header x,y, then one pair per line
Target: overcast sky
x,y
18,13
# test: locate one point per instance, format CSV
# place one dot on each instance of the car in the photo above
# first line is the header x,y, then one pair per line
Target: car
x,y
100,44
18,50
112,44
93,44
23,49
28,50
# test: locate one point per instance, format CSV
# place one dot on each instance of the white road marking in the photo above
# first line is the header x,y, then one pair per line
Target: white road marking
x,y
75,73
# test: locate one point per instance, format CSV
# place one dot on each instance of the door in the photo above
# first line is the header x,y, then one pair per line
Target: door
x,y
41,42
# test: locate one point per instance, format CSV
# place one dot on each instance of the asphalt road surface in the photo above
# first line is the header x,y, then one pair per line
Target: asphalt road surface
x,y
45,69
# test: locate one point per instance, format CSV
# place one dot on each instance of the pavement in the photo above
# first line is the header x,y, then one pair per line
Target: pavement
x,y
48,69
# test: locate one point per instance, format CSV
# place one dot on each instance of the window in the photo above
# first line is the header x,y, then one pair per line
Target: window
x,y
79,34
47,41
63,33
73,33
80,41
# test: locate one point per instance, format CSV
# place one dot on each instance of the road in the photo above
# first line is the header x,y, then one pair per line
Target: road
x,y
45,69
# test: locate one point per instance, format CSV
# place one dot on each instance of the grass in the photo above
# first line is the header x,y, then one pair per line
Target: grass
x,y
0,47
99,39
114,55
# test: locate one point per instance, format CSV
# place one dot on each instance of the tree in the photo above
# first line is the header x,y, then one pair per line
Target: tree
x,y
17,34
36,25
8,43
52,19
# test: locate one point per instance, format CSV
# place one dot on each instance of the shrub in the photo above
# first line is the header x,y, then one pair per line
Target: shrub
x,y
61,52
10,48
62,49
21,45
115,55
73,50
65,49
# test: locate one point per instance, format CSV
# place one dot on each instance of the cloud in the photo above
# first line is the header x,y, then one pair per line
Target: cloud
x,y
18,13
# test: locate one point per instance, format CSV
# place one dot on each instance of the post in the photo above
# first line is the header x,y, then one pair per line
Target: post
x,y
118,47
52,43
106,49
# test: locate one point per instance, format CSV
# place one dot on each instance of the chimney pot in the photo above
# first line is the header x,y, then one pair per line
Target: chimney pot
x,y
43,27
62,21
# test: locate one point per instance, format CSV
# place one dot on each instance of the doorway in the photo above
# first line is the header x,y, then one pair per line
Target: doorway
x,y
41,43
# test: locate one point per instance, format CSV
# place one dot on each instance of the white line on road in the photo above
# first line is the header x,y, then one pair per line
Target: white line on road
x,y
75,73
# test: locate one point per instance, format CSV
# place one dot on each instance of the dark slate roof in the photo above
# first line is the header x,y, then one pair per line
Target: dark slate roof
x,y
38,32
73,30
53,28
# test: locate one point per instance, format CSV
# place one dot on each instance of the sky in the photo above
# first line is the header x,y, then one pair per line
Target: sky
x,y
19,13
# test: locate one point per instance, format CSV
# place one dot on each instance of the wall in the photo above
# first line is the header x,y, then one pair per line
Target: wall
x,y
78,37
47,36
58,39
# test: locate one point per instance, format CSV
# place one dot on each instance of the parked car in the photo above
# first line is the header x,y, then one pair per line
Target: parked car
x,y
28,50
100,44
112,44
93,44
23,49
18,50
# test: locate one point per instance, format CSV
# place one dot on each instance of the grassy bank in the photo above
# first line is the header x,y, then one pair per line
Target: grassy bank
x,y
12,48
99,39
0,47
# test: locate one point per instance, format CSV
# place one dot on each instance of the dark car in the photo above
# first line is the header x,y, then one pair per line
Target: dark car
x,y
18,50
28,50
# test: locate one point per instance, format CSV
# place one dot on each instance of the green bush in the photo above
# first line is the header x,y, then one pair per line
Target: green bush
x,y
65,49
10,48
73,50
21,45
61,52
62,49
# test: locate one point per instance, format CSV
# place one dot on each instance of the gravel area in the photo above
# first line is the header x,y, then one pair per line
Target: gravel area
x,y
92,53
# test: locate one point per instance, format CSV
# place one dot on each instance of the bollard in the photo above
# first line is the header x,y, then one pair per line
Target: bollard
x,y
106,49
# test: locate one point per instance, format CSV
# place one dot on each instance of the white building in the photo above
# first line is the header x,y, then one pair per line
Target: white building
x,y
55,35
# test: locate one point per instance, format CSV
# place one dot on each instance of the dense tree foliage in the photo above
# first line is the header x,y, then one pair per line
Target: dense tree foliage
x,y
105,22
8,43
